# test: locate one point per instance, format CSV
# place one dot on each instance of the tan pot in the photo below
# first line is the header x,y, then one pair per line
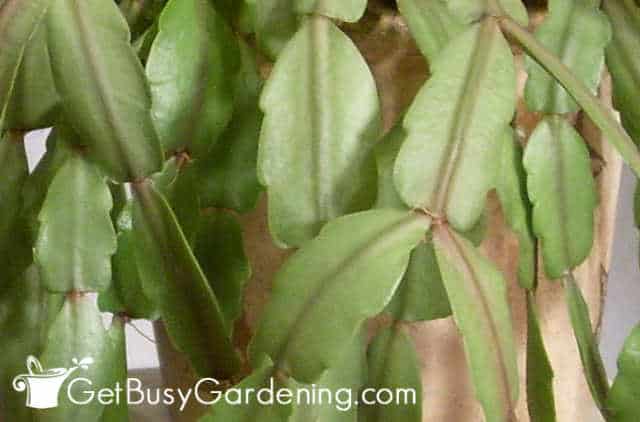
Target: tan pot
x,y
448,397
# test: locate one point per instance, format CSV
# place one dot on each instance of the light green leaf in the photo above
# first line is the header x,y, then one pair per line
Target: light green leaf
x,y
625,393
421,295
173,280
431,23
478,296
577,32
34,103
19,20
316,135
344,380
562,191
623,61
191,69
540,398
342,10
24,309
276,22
78,333
350,272
15,244
447,164
393,365
587,342
76,237
220,251
386,152
262,377
110,110
600,114
126,293
473,10
511,186
227,175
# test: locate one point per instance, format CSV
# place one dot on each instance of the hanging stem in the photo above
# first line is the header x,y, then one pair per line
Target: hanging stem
x,y
587,342
600,115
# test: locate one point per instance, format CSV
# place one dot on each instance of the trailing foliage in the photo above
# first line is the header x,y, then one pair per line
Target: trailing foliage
x,y
164,137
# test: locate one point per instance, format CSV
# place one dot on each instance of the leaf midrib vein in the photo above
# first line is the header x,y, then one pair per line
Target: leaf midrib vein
x,y
328,280
463,113
95,69
486,311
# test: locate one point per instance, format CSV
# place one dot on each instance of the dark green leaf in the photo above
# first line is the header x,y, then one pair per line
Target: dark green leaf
x,y
24,309
540,398
102,86
447,164
143,44
220,251
344,380
386,152
19,20
562,191
577,32
393,365
78,333
140,15
227,176
262,377
178,183
349,272
478,296
119,199
625,393
511,187
76,237
431,23
191,69
117,412
15,245
37,184
315,134
34,103
623,61
126,293
276,22
173,280
421,295
587,342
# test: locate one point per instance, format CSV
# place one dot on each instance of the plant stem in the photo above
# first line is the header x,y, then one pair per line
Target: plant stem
x,y
587,343
598,113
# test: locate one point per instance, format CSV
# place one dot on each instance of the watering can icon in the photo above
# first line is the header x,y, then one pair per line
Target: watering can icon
x,y
42,386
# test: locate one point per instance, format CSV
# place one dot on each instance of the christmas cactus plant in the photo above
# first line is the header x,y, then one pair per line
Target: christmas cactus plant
x,y
171,119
